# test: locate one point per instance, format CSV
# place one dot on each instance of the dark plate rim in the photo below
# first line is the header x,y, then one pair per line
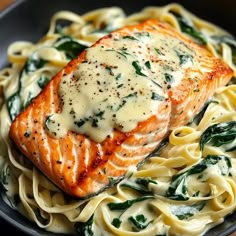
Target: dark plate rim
x,y
229,229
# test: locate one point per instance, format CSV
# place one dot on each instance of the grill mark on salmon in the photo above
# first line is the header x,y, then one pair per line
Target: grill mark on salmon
x,y
82,167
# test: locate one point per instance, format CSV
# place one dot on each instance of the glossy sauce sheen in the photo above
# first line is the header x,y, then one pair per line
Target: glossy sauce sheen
x,y
107,110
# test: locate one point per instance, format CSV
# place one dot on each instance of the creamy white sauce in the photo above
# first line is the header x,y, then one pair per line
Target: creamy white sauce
x,y
122,82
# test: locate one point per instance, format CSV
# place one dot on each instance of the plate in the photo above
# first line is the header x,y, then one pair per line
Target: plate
x,y
29,19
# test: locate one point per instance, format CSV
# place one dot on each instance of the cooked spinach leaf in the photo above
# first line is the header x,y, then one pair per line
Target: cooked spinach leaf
x,y
140,221
148,64
220,134
126,204
138,68
85,228
42,81
169,78
116,222
178,186
33,63
187,27
70,46
14,105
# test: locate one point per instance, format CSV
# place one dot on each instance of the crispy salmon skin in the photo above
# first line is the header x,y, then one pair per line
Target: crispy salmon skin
x,y
83,166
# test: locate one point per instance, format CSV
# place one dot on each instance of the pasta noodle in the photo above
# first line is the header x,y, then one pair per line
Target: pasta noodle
x,y
187,187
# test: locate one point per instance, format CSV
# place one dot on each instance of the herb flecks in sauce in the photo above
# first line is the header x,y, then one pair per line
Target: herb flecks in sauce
x,y
125,80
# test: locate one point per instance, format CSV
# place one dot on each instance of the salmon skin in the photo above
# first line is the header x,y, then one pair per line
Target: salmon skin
x,y
83,167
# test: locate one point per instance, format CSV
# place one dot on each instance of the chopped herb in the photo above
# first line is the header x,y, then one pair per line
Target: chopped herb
x,y
148,64
138,68
80,122
157,97
130,37
116,222
120,85
158,51
184,58
123,52
109,69
169,78
119,76
117,108
94,122
131,95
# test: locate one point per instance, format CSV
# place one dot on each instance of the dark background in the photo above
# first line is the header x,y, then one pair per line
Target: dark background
x,y
29,19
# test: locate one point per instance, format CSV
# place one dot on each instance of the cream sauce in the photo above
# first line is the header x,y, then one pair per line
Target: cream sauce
x,y
122,82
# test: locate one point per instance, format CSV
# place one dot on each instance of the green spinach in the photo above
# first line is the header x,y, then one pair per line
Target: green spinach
x,y
140,221
187,27
220,134
126,204
70,46
85,228
178,186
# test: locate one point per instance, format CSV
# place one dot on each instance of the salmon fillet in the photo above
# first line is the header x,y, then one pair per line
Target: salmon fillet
x,y
83,167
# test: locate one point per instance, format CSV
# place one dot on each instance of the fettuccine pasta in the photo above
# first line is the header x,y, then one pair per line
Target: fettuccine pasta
x,y
187,187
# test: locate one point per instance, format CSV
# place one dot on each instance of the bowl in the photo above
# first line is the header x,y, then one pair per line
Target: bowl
x,y
29,20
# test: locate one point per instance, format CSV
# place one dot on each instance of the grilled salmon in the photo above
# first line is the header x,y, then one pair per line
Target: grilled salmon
x,y
109,108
